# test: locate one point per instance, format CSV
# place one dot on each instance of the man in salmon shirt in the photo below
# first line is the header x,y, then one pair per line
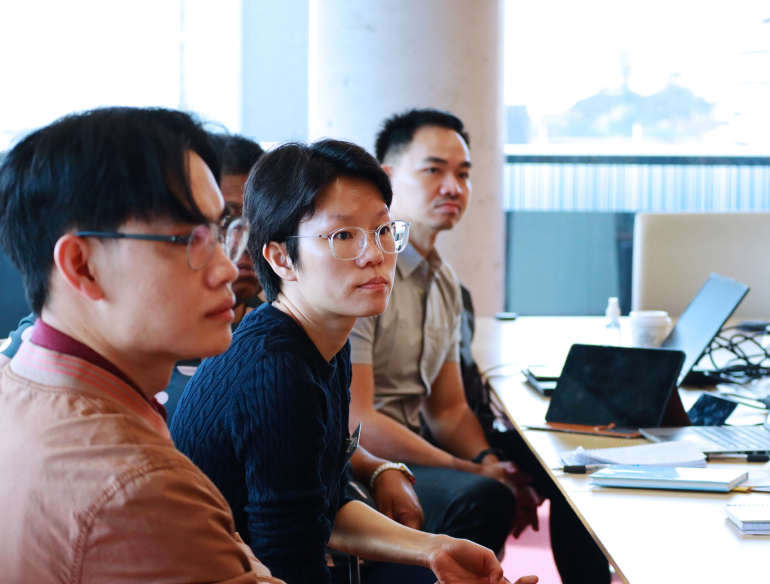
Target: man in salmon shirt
x,y
114,219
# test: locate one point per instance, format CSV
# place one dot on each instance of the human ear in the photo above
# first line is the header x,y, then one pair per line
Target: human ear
x,y
388,170
278,258
74,262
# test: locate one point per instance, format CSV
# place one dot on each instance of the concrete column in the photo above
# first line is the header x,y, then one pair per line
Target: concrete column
x,y
275,69
372,58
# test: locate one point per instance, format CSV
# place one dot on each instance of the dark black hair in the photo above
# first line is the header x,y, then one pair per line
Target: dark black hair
x,y
94,171
398,131
236,154
282,189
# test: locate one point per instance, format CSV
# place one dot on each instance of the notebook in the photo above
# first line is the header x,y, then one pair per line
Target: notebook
x,y
685,479
752,519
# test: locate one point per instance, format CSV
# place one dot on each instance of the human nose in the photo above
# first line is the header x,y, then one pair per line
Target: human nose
x,y
220,269
451,185
371,254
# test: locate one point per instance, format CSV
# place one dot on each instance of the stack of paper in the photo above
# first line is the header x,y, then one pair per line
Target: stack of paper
x,y
674,454
657,477
751,519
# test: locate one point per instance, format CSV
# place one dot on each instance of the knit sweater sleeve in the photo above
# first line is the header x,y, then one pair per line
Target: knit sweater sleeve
x,y
279,407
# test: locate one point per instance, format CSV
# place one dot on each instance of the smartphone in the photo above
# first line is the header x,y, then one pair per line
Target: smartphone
x,y
711,410
506,316
543,379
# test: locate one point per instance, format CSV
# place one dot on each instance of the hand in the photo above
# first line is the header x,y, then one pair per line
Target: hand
x,y
397,500
459,561
527,498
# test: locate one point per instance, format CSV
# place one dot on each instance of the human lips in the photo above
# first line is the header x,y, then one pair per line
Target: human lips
x,y
376,283
223,310
449,207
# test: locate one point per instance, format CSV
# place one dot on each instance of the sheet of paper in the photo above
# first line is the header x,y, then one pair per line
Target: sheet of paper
x,y
661,454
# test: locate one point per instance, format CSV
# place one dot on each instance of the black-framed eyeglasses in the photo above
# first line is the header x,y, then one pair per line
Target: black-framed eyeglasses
x,y
231,232
349,243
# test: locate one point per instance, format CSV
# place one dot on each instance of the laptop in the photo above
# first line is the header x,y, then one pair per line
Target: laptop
x,y
717,439
703,318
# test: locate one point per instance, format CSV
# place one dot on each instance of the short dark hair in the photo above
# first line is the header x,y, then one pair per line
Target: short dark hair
x,y
94,171
282,189
236,154
398,131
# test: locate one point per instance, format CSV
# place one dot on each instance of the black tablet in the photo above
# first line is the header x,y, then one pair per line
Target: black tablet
x,y
628,387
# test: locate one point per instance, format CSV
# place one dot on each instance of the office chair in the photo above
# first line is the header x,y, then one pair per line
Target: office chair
x,y
674,253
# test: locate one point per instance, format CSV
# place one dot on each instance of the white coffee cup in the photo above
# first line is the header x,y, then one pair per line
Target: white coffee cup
x,y
649,327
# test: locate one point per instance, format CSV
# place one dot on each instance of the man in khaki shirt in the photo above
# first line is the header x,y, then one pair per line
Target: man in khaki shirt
x,y
113,219
406,365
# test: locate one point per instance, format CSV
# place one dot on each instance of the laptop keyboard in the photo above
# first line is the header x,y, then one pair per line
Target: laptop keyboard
x,y
744,437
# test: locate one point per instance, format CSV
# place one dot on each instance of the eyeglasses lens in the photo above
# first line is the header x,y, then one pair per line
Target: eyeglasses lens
x,y
203,241
349,243
236,238
201,246
393,236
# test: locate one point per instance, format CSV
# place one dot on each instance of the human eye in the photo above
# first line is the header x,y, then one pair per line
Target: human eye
x,y
342,235
386,230
432,170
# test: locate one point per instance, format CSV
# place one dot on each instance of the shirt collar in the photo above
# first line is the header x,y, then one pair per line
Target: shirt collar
x,y
52,339
410,259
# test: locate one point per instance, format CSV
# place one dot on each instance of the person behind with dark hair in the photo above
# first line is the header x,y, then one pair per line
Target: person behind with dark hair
x,y
114,219
267,420
235,155
407,387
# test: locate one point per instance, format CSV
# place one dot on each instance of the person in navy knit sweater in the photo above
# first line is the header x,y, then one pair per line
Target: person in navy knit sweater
x,y
267,420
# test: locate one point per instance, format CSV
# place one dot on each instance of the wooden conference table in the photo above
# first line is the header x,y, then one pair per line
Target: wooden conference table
x,y
647,535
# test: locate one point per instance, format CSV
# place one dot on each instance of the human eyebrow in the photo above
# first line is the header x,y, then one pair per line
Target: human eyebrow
x,y
435,160
351,219
465,164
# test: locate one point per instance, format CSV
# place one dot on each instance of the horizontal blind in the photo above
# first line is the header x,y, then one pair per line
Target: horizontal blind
x,y
636,183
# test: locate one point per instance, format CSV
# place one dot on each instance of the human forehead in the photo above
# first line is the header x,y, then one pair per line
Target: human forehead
x,y
231,186
434,142
349,202
204,188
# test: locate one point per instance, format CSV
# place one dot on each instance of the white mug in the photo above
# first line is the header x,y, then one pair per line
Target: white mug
x,y
649,328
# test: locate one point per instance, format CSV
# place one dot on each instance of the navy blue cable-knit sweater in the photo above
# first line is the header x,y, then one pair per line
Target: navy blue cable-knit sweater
x,y
267,421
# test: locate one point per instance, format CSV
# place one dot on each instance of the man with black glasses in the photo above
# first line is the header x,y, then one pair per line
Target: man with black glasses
x,y
114,219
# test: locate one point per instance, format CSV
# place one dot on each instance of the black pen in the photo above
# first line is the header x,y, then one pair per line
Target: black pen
x,y
581,468
757,457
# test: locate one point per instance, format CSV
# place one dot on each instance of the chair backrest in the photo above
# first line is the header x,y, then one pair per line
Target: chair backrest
x,y
674,253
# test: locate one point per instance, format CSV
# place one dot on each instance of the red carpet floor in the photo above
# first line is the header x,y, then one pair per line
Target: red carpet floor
x,y
531,554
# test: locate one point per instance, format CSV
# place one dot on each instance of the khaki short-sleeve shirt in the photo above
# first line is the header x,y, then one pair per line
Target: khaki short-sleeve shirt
x,y
409,343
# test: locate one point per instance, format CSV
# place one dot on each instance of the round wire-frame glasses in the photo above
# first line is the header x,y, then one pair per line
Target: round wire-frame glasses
x,y
349,243
231,232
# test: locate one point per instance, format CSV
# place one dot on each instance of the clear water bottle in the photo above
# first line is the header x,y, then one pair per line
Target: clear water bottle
x,y
613,321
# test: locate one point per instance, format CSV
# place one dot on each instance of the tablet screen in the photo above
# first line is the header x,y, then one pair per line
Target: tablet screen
x,y
628,387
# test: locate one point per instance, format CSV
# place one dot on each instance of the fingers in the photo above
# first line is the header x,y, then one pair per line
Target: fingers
x,y
385,506
410,519
528,580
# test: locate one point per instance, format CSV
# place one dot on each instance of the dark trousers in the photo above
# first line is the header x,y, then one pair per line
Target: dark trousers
x,y
576,554
464,505
455,503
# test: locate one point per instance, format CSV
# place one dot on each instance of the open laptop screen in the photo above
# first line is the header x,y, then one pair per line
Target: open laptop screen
x,y
703,318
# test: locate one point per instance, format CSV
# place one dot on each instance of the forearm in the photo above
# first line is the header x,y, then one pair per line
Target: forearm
x,y
458,431
382,436
361,531
364,464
